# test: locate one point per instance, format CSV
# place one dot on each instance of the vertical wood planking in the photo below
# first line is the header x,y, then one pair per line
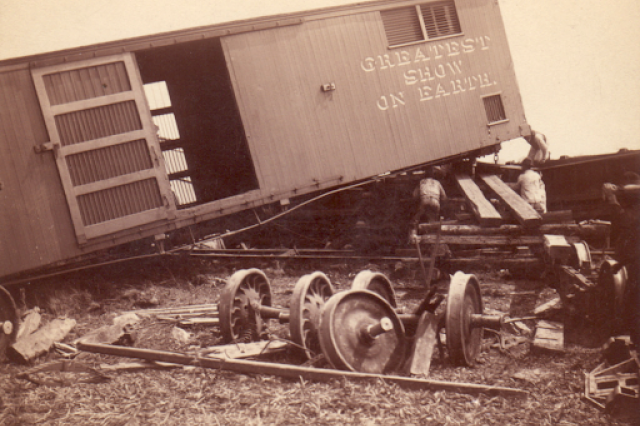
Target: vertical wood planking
x,y
32,226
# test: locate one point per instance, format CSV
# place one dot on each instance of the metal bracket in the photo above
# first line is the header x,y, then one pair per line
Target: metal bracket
x,y
49,146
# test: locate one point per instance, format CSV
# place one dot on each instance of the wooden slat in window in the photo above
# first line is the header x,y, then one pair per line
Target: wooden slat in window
x,y
402,25
440,18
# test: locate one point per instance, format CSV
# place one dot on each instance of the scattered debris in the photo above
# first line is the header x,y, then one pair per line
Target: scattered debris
x,y
65,350
549,308
112,333
245,350
41,341
81,374
615,388
181,336
549,336
532,375
30,323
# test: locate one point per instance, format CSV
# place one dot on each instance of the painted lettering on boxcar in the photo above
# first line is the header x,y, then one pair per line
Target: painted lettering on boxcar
x,y
435,71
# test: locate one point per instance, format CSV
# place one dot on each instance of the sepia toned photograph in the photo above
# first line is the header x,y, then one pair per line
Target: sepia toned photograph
x,y
320,212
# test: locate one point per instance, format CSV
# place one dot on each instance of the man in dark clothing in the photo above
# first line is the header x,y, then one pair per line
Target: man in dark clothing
x,y
431,195
624,204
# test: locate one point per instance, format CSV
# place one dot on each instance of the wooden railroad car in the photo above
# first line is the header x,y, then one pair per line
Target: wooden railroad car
x,y
111,143
575,183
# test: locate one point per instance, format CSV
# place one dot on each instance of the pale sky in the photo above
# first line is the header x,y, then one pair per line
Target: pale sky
x,y
577,61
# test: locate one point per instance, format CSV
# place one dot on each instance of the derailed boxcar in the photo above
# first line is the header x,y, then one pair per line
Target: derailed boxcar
x,y
112,143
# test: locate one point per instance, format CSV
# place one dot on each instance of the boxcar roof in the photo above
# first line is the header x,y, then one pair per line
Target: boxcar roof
x,y
242,16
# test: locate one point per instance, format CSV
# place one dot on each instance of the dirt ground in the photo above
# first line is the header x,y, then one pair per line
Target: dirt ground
x,y
198,396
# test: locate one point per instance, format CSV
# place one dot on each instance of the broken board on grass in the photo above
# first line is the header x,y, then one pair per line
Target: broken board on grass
x,y
245,350
41,341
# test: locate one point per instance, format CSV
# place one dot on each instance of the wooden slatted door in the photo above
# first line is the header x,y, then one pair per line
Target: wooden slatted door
x,y
105,145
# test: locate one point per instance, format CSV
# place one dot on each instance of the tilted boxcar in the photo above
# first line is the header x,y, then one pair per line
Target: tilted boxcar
x,y
112,143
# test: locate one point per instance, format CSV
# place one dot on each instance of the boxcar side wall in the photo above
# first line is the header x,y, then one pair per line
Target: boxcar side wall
x,y
388,108
35,227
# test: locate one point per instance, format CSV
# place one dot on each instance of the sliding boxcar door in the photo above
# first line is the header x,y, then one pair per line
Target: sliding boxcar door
x,y
105,144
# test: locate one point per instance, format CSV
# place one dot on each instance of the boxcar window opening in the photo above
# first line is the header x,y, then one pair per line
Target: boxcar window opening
x,y
494,109
175,161
414,24
199,124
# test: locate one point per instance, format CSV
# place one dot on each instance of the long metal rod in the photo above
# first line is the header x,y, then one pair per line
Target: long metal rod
x,y
293,371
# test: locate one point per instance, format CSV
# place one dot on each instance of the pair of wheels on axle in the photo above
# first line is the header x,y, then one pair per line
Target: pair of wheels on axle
x,y
245,305
357,330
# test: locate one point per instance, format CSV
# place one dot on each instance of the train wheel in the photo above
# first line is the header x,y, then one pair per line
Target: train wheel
x,y
8,321
309,295
245,292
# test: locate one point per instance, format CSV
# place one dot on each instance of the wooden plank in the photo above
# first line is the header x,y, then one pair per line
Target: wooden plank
x,y
482,208
92,103
524,213
484,240
102,185
188,309
583,231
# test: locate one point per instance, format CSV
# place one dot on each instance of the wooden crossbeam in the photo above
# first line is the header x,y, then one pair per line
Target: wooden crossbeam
x,y
524,213
482,208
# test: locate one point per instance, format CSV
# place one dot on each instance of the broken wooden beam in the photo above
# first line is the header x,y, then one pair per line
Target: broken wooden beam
x,y
296,372
40,341
485,213
523,212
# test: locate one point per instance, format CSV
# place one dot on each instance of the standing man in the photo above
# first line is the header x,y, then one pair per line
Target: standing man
x,y
539,152
624,208
531,187
431,195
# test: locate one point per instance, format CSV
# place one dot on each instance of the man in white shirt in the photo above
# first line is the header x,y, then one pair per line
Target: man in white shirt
x,y
531,187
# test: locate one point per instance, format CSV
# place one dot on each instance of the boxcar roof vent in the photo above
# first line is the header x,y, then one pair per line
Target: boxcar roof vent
x,y
423,22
